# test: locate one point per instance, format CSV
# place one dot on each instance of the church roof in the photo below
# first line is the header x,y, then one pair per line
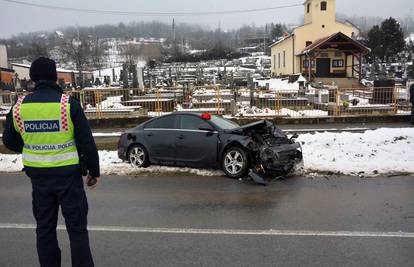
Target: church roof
x,y
337,40
281,39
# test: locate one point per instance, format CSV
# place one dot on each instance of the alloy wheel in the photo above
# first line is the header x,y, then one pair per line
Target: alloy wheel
x,y
233,162
137,157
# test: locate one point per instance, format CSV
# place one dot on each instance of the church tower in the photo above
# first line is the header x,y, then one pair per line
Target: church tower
x,y
320,12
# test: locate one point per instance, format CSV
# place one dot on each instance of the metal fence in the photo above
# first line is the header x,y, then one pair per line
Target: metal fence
x,y
113,102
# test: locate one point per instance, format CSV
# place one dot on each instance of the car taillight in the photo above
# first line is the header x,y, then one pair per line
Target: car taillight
x,y
206,116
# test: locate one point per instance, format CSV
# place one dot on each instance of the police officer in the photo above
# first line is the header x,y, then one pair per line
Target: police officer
x,y
412,102
52,133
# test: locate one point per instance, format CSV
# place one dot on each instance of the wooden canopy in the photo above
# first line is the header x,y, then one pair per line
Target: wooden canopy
x,y
337,41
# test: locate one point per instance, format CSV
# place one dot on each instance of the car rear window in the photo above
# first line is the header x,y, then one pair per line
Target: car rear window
x,y
161,123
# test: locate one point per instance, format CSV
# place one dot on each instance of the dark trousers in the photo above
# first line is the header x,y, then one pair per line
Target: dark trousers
x,y
51,190
412,113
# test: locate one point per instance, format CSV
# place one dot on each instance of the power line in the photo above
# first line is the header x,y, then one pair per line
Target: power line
x,y
142,13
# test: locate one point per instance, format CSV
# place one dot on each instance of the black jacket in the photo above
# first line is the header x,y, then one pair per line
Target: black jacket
x,y
46,92
412,94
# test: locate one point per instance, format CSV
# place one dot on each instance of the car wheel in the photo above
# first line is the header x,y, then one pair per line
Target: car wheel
x,y
138,156
235,162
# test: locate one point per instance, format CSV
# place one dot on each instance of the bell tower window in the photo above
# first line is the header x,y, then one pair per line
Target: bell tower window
x,y
324,5
308,7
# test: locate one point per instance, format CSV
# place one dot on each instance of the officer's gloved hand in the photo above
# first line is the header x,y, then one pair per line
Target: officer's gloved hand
x,y
92,182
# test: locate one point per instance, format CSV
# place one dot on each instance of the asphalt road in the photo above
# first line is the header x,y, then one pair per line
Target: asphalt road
x,y
214,221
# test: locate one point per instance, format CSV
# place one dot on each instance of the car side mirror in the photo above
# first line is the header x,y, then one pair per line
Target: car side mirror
x,y
206,127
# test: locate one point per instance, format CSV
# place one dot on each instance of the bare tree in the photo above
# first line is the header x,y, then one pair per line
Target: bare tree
x,y
131,53
77,49
38,48
98,54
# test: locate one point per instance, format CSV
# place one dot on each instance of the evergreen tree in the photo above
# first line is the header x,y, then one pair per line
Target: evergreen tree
x,y
277,30
374,41
385,41
392,37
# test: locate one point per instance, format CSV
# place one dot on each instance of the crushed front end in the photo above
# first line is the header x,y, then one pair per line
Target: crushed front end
x,y
272,153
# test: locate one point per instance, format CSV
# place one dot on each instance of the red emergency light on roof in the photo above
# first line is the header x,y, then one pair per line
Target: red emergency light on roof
x,y
206,116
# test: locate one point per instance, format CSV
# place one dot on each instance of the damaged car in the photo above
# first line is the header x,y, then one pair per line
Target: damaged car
x,y
190,139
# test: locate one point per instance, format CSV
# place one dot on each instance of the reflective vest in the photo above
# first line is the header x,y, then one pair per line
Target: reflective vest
x,y
47,132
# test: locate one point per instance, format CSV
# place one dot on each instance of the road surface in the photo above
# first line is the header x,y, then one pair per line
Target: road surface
x,y
214,221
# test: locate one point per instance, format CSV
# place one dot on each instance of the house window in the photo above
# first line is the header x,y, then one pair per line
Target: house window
x,y
284,58
308,43
324,5
306,63
338,63
308,8
278,59
274,61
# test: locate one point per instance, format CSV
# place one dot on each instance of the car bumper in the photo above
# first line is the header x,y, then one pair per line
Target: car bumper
x,y
283,160
122,153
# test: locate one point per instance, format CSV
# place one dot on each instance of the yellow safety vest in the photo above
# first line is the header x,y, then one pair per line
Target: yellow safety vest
x,y
47,132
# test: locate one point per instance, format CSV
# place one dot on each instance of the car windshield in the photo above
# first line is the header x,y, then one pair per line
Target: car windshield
x,y
223,123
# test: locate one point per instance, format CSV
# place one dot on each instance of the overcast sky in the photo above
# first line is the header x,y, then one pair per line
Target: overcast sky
x,y
17,18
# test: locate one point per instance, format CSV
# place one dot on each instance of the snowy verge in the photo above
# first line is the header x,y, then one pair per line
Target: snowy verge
x,y
112,165
382,151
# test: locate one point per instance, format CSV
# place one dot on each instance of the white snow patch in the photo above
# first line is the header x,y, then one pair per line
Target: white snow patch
x,y
381,151
111,164
246,111
10,163
278,84
410,38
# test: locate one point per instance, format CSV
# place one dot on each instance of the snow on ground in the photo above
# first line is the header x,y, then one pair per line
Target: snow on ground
x,y
10,163
211,92
157,113
112,102
112,165
382,151
410,38
245,111
281,84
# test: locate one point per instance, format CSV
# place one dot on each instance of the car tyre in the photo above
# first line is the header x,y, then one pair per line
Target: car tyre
x,y
138,156
235,162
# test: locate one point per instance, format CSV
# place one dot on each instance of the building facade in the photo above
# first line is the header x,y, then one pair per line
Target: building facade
x,y
3,56
321,47
65,77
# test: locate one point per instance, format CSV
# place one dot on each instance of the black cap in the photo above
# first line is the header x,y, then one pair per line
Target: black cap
x,y
43,69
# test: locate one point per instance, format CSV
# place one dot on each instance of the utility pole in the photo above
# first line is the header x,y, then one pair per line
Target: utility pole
x,y
174,37
251,88
264,40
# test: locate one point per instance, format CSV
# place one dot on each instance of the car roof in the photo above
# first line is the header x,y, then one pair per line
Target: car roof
x,y
198,114
186,113
189,112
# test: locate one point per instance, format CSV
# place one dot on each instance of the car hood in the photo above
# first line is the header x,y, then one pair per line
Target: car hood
x,y
257,126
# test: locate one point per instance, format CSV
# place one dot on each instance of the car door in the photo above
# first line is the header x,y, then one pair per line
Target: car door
x,y
195,147
159,135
